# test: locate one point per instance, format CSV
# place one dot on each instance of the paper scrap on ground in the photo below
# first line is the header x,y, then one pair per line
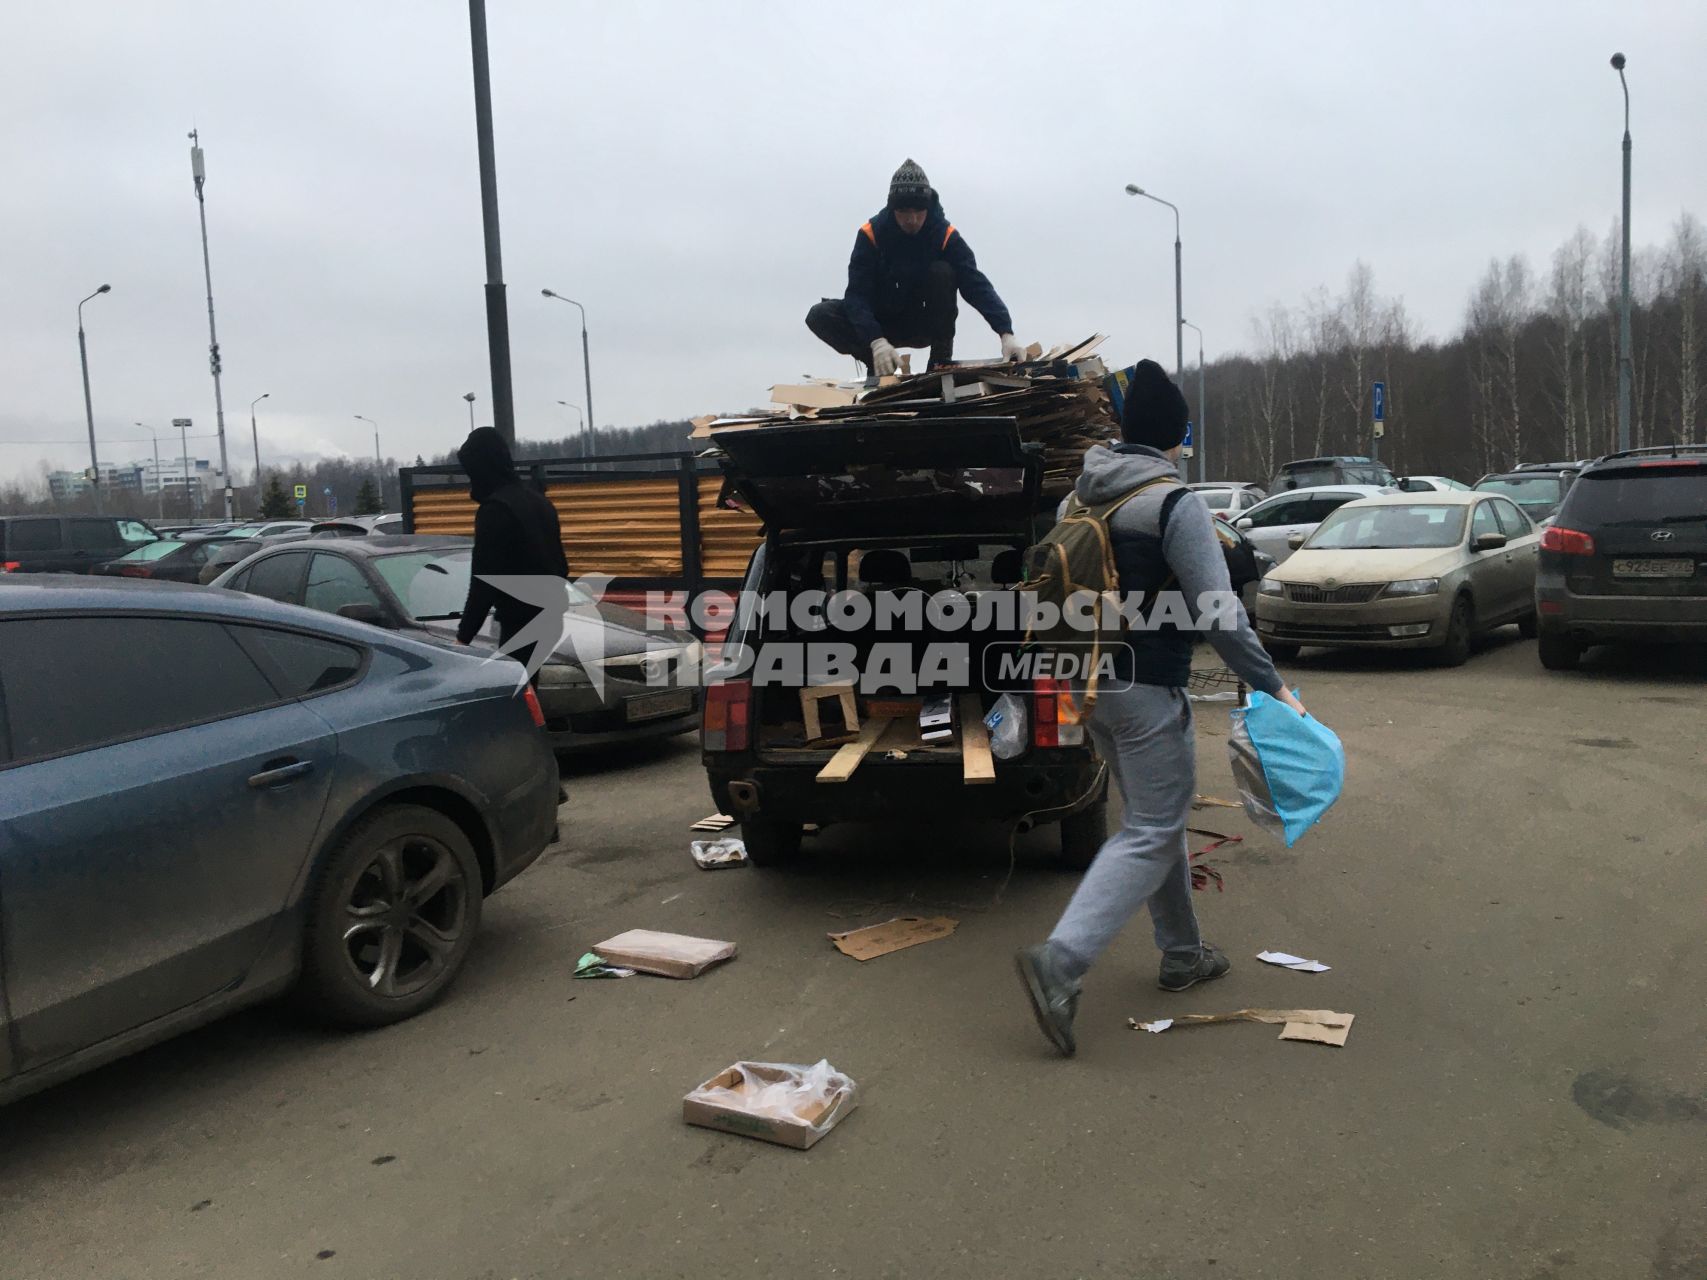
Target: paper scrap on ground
x,y
712,854
593,965
670,955
1319,1026
716,822
892,935
1292,962
1214,802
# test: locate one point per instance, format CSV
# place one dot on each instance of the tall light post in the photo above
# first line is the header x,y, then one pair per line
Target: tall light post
x,y
159,480
191,506
255,436
469,396
497,313
586,360
378,465
88,404
1200,436
1625,371
586,434
199,170
1132,189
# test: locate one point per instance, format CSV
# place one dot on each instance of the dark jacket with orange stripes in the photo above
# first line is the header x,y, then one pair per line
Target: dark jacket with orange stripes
x,y
886,273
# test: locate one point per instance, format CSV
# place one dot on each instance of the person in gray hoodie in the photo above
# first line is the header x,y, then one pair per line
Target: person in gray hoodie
x,y
1141,722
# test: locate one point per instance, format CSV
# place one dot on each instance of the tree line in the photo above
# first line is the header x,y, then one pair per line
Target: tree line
x,y
1531,376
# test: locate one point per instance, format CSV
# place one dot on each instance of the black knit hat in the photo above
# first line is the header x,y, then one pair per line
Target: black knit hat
x,y
1155,412
910,189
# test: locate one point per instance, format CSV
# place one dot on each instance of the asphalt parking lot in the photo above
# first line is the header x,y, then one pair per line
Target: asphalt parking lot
x,y
1510,895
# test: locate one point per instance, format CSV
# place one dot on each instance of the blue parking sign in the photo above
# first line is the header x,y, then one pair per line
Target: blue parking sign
x,y
1380,399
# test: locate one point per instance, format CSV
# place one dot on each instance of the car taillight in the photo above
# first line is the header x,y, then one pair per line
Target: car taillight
x,y
725,726
1054,715
10,566
135,571
534,709
1566,541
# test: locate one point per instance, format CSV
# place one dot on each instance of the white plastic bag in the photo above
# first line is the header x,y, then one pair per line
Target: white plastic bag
x,y
712,854
1006,723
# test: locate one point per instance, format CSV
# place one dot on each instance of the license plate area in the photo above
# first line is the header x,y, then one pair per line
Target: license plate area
x,y
653,706
1654,568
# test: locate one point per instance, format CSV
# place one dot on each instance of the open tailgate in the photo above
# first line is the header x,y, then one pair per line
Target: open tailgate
x,y
853,477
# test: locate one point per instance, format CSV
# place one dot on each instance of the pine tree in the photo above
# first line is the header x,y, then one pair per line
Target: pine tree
x,y
276,504
367,499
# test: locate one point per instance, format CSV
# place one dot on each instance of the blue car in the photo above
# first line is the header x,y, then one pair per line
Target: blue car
x,y
209,799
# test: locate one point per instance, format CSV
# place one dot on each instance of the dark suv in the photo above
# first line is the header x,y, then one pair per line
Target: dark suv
x,y
1537,487
1626,556
1313,473
895,514
67,544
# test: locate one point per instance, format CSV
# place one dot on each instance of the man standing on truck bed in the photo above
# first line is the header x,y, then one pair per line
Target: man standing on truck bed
x,y
907,264
1161,537
516,534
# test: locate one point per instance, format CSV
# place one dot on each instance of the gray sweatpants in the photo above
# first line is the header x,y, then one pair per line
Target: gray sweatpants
x,y
1145,734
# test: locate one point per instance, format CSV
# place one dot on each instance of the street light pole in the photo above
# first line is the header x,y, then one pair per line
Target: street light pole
x,y
198,169
88,404
1202,435
1179,294
586,431
586,361
497,314
159,480
469,396
1625,371
255,436
378,466
183,425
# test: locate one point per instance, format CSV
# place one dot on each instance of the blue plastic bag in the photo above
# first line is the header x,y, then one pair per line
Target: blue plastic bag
x,y
1289,767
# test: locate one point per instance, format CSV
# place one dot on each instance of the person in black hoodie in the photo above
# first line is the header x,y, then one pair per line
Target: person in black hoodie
x,y
516,534
907,264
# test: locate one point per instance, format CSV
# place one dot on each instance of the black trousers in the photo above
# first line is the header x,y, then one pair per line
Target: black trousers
x,y
926,319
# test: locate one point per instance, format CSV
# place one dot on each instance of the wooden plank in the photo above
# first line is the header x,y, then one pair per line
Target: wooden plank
x,y
847,759
976,763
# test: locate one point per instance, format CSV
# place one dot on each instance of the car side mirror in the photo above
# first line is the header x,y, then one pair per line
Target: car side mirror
x,y
1488,542
1295,540
1246,524
371,614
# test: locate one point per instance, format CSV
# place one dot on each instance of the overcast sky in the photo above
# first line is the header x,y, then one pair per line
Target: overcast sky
x,y
694,173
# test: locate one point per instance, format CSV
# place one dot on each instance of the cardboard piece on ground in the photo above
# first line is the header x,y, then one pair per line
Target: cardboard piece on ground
x,y
670,955
892,935
716,822
1286,961
1214,802
1319,1026
976,763
846,759
729,1101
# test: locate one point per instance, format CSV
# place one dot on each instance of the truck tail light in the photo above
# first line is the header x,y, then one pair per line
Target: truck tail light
x,y
534,709
1566,541
1054,715
725,725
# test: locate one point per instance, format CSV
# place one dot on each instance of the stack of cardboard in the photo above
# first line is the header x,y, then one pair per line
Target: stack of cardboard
x,y
1058,398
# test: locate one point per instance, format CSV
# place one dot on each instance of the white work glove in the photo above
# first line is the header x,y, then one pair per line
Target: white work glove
x,y
882,357
1011,348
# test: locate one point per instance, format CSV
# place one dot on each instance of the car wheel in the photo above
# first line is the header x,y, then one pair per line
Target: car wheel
x,y
1279,649
771,843
1460,631
1082,834
391,918
1528,625
1559,653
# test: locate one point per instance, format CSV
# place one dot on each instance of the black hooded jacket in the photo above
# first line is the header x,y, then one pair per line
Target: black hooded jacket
x,y
516,532
887,270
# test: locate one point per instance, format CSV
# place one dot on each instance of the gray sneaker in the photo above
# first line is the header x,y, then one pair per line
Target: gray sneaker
x,y
1054,996
1182,971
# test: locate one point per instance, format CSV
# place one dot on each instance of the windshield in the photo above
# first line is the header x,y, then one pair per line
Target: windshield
x,y
152,550
433,585
1217,499
1538,492
1389,526
1653,495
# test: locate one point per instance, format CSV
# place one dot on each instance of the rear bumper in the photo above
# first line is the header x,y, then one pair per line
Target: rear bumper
x,y
578,719
913,791
1355,625
1588,618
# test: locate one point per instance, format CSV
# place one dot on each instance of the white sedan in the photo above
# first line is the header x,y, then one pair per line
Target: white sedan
x,y
1273,523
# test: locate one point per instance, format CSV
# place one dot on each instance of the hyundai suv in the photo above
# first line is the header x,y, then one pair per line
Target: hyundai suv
x,y
1626,556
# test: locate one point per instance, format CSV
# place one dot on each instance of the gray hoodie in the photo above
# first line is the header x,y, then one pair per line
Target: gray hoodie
x,y
1146,554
